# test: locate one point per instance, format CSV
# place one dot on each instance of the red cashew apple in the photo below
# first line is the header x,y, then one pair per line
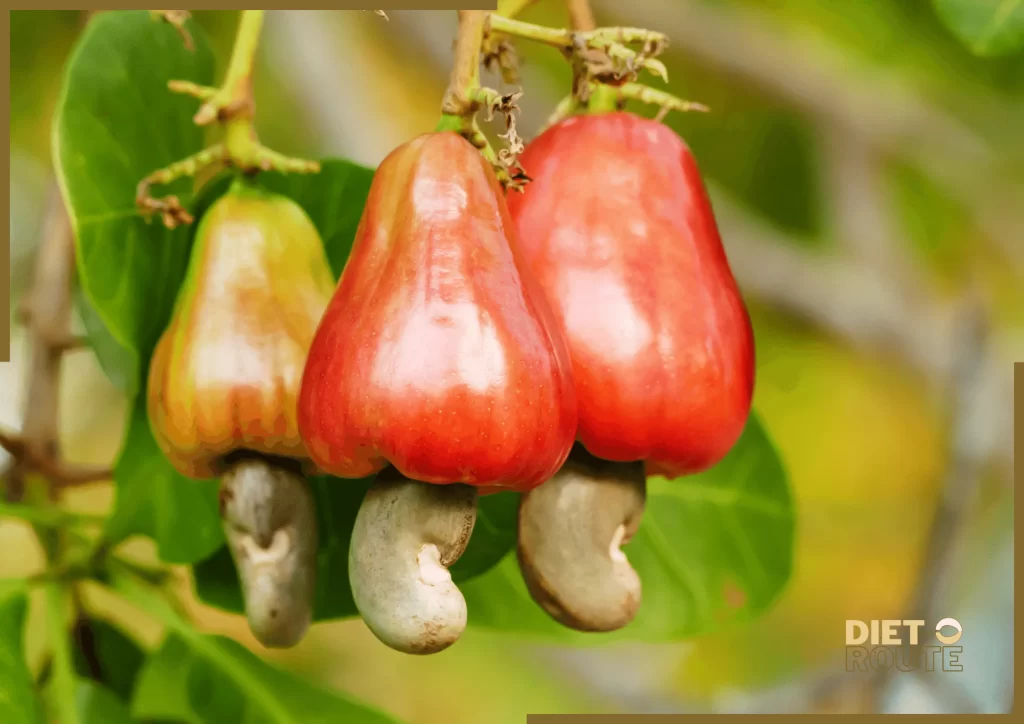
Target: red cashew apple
x,y
618,230
222,390
438,362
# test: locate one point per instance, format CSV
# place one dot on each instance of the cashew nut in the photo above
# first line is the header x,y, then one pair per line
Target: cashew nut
x,y
270,522
570,532
406,535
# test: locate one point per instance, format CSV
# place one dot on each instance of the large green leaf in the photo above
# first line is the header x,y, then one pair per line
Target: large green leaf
x,y
97,704
987,27
162,690
494,536
337,502
333,199
113,660
197,678
120,364
18,701
153,499
713,549
211,679
115,123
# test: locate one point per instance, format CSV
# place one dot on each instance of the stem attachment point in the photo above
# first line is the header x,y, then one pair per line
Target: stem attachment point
x,y
231,105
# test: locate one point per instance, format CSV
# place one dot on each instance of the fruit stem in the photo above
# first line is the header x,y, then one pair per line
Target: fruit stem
x,y
465,97
231,105
581,17
603,99
652,96
565,39
169,207
598,55
238,80
465,76
599,100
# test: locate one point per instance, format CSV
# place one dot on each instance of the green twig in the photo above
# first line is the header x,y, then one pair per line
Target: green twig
x,y
48,517
465,97
231,105
188,88
63,676
666,101
600,56
169,207
581,17
458,100
566,39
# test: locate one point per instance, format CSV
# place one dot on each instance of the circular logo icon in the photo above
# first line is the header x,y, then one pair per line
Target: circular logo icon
x,y
951,623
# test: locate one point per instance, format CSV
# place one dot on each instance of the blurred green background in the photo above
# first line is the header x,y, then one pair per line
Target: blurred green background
x,y
868,175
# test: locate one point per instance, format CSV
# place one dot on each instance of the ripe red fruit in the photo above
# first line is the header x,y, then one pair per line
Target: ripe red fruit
x,y
618,230
436,354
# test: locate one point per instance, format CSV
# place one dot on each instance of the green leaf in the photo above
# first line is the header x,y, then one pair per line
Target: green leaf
x,y
333,199
198,678
119,364
337,503
494,535
987,27
98,705
212,679
153,499
18,701
114,660
115,123
713,550
162,689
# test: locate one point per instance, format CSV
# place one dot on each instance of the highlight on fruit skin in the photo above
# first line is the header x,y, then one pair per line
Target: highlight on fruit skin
x,y
661,343
439,365
222,390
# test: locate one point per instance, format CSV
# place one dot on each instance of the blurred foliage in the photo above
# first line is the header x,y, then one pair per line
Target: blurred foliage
x,y
988,27
862,440
865,503
17,705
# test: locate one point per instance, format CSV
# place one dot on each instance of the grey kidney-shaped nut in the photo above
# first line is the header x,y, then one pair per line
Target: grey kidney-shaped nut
x,y
571,530
270,523
406,536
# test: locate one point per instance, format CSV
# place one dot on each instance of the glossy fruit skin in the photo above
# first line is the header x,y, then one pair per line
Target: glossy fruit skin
x,y
225,374
437,354
619,231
